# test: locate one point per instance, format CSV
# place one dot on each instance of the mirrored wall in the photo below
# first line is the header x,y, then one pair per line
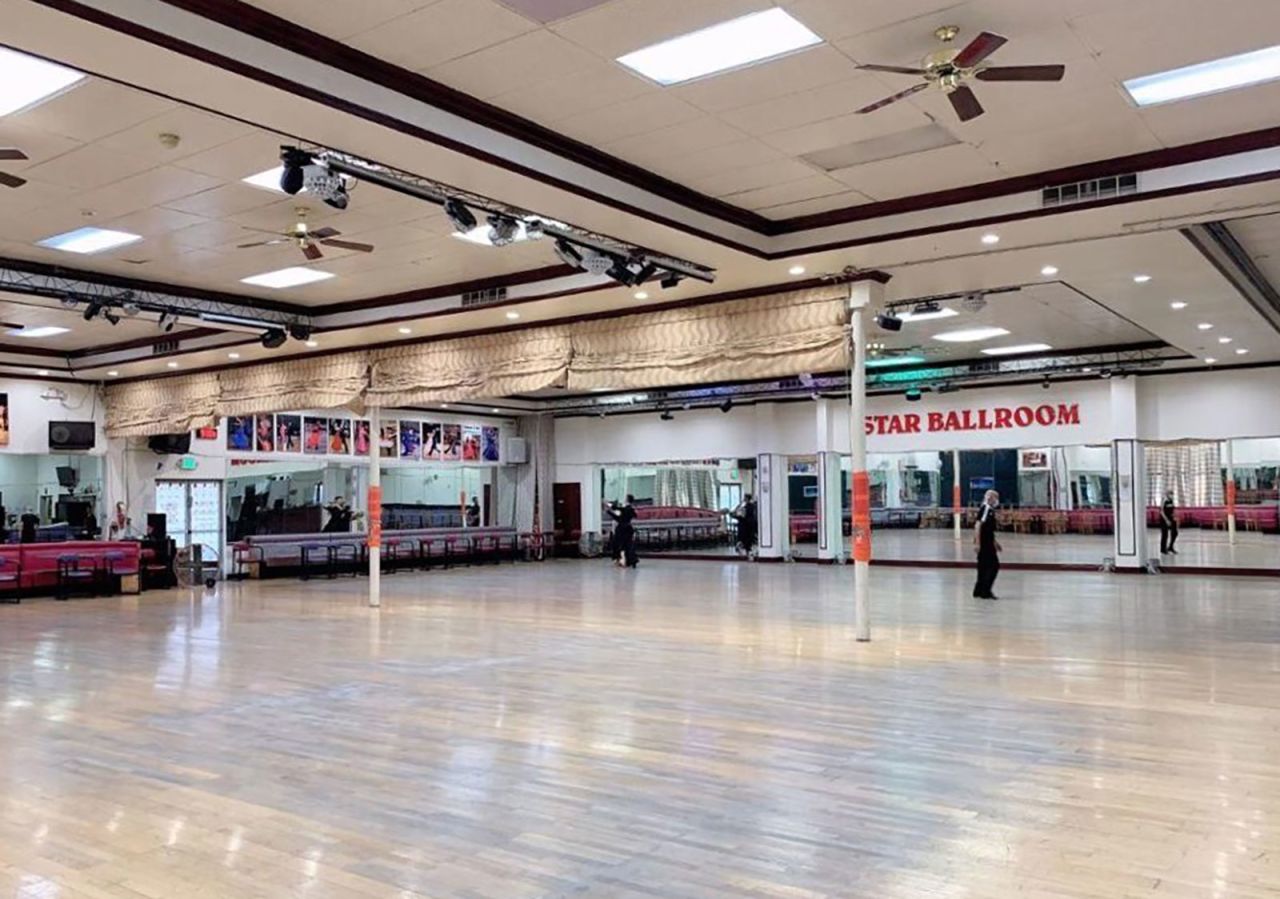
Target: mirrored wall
x,y
62,492
691,507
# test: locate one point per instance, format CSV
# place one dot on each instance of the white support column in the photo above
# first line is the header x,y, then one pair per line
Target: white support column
x,y
830,508
862,295
1231,494
774,538
957,510
1128,477
374,513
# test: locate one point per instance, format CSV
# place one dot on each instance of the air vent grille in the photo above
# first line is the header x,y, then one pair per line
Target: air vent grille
x,y
484,297
1087,191
161,347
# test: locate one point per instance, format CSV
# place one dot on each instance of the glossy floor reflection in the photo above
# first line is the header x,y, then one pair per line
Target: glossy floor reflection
x,y
685,730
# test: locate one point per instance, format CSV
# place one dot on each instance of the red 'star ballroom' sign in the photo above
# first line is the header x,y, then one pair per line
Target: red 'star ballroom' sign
x,y
1045,416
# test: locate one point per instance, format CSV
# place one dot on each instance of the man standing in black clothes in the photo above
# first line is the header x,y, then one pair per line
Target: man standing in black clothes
x,y
624,533
748,524
984,540
1168,525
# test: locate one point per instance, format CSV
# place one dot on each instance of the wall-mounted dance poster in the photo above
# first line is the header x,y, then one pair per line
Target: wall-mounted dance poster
x,y
389,440
4,419
340,436
1035,459
315,435
264,438
451,443
240,433
471,443
361,438
431,439
410,440
489,450
288,433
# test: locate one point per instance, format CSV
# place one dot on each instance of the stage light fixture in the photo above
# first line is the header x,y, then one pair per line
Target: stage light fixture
x,y
292,175
913,395
1105,374
330,188
535,229
111,316
503,230
459,215
299,331
726,405
670,280
567,254
91,311
166,321
666,415
889,322
274,338
597,263
622,272
69,302
129,308
647,271
1046,383
974,302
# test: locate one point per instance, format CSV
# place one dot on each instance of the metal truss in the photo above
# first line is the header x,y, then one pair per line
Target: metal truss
x,y
20,279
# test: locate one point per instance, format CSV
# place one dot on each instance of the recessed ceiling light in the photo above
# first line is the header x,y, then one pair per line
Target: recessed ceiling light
x,y
1210,360
944,312
89,240
444,405
512,316
287,277
404,330
1087,369
886,361
1223,74
1224,339
1204,326
1177,304
642,295
970,335
991,239
171,364
36,333
1049,271
1241,351
311,344
729,45
25,80
796,270
42,372
495,411
1014,350
1141,279
233,355
113,374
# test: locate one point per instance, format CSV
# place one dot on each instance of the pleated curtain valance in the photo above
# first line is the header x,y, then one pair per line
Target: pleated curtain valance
x,y
762,337
166,406
326,382
489,365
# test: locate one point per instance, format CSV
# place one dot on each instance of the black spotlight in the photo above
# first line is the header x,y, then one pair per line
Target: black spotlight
x,y
670,280
646,272
726,405
299,331
913,395
568,254
274,339
666,415
91,311
462,218
338,198
1045,383
503,230
1105,374
622,272
292,176
111,316
889,322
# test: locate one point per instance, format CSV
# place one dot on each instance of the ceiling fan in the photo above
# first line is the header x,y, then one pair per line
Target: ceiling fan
x,y
9,154
309,241
949,69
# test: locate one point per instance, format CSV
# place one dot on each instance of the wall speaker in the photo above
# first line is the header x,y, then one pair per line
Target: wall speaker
x,y
170,444
517,451
71,435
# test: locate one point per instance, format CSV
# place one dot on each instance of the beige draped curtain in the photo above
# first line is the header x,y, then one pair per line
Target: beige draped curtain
x,y
165,406
489,365
326,382
762,337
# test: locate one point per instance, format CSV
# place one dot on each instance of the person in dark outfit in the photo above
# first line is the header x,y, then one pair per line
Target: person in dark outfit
x,y
473,513
30,521
624,533
748,524
339,517
1168,525
988,547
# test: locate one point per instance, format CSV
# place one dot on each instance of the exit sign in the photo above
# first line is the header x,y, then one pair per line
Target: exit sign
x,y
188,463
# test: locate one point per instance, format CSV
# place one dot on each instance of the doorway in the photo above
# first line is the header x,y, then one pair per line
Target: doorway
x,y
567,499
193,512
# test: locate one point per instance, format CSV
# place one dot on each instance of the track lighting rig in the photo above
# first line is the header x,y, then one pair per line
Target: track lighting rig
x,y
593,253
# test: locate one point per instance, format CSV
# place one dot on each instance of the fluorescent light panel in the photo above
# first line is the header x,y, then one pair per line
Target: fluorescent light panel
x,y
886,361
970,335
1014,350
26,81
729,45
89,240
287,277
1211,77
37,333
944,312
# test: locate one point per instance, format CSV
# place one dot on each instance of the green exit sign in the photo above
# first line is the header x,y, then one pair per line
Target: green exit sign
x,y
187,463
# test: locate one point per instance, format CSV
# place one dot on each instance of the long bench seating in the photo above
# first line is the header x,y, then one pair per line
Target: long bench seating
x,y
1255,518
661,528
34,567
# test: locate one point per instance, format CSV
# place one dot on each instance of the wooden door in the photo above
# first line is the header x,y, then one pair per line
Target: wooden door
x,y
567,499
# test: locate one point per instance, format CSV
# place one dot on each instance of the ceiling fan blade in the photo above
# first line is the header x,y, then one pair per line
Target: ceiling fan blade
x,y
880,104
348,245
312,252
323,233
965,103
12,153
1022,73
979,49
896,70
11,180
261,243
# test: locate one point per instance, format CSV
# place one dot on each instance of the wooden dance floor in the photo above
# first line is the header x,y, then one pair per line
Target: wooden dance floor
x,y
689,729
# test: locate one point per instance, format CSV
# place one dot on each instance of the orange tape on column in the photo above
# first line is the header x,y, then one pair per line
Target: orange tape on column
x,y
861,516
375,517
955,497
1231,497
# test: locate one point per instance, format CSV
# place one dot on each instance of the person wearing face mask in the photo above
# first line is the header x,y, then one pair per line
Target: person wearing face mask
x,y
988,547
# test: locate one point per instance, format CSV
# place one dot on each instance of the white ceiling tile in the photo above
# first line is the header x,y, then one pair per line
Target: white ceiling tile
x,y
805,107
847,129
622,26
742,179
785,192
442,31
835,19
340,20
532,58
706,163
791,74
224,201
150,188
647,113
561,98
92,110
918,173
197,131
840,200
88,167
675,141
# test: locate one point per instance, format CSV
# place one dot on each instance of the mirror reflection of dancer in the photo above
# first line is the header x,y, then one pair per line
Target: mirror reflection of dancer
x,y
748,525
624,533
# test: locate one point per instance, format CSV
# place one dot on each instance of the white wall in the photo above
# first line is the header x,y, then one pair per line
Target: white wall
x,y
1210,405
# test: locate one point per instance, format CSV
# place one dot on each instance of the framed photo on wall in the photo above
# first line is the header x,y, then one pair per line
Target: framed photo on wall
x,y
431,439
361,438
451,443
489,446
471,443
1035,459
339,436
288,434
264,437
315,435
240,433
389,440
410,440
4,419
